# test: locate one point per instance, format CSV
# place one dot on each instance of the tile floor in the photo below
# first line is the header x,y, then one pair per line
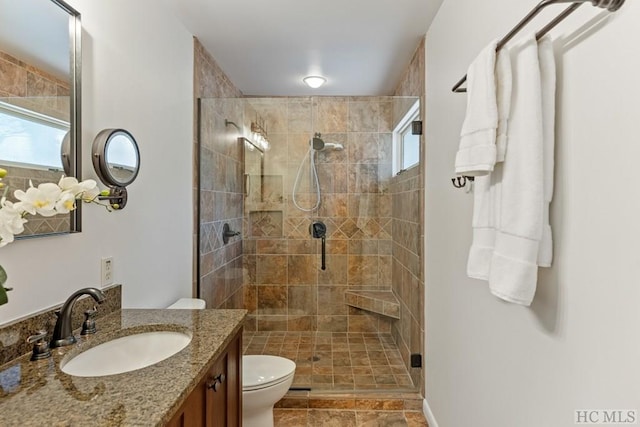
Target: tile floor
x,y
347,418
331,361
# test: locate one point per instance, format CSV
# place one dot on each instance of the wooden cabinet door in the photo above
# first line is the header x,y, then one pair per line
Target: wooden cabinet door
x,y
217,400
192,413
224,388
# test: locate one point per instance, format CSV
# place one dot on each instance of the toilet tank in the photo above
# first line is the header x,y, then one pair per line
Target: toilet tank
x,y
188,303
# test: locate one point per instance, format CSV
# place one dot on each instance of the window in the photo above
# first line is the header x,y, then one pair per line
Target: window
x,y
406,145
29,139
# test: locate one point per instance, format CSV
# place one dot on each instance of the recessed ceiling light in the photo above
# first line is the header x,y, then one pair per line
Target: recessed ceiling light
x,y
314,82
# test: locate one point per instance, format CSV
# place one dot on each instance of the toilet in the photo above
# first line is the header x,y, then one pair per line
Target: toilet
x,y
189,303
265,379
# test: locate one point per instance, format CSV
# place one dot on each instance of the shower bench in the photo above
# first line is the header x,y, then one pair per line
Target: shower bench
x,y
384,303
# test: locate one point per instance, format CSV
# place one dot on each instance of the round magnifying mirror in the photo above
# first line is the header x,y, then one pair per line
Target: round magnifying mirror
x,y
116,157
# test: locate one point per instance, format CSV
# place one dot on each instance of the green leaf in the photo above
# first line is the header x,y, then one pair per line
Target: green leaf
x,y
3,296
3,276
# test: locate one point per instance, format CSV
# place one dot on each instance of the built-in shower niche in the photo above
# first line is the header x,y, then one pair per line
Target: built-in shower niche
x,y
263,192
265,224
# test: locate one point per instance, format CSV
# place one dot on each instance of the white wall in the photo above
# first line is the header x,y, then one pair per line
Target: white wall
x,y
137,75
494,364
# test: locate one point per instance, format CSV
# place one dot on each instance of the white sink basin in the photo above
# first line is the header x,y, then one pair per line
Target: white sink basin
x,y
126,354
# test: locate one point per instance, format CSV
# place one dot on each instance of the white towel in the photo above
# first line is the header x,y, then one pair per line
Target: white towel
x,y
548,85
503,101
486,188
514,271
486,220
477,152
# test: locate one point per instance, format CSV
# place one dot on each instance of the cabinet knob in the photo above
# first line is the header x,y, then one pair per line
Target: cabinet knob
x,y
216,381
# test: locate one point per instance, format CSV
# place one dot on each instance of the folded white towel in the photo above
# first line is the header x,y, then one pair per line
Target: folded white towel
x,y
477,152
503,101
514,271
548,85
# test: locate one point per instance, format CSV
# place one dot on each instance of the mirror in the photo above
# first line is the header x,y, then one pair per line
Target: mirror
x,y
116,159
40,100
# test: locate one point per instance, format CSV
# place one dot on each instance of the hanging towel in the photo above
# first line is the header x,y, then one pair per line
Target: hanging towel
x,y
503,101
548,87
477,152
513,272
486,189
486,219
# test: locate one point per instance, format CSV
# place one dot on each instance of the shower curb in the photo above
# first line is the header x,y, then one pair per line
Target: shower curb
x,y
362,400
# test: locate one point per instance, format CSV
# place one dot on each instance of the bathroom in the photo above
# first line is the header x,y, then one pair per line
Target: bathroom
x,y
574,348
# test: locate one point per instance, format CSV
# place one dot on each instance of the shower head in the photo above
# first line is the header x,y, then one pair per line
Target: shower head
x,y
319,145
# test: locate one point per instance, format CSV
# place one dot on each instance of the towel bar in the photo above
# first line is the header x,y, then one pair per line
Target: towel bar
x,y
610,5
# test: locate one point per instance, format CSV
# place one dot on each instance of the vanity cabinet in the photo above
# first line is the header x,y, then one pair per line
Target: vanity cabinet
x,y
217,399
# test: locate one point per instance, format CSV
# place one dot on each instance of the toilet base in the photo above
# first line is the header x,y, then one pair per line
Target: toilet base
x,y
257,405
259,419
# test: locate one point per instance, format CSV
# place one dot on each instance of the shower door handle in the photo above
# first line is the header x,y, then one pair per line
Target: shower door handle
x,y
247,184
324,256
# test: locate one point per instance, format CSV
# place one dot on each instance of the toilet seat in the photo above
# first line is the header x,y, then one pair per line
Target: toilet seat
x,y
262,371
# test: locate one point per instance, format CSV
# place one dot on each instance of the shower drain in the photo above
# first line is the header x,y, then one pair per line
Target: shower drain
x,y
314,358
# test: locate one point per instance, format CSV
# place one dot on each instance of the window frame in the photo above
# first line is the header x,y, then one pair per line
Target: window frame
x,y
34,117
404,126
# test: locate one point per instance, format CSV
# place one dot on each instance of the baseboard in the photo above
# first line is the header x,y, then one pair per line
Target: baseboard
x,y
426,410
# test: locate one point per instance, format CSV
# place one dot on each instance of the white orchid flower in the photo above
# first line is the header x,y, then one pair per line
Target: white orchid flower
x,y
41,200
69,183
86,190
48,199
6,236
66,203
91,194
11,221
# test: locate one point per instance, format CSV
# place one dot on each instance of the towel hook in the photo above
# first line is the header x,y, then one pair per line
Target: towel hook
x,y
461,181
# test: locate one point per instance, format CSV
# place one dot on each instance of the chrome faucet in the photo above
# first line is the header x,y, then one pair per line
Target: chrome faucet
x,y
63,333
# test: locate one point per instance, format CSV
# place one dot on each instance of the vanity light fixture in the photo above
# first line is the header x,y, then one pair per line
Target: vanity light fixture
x,y
314,82
259,133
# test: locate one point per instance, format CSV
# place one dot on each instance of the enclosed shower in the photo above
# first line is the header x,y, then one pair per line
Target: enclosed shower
x,y
328,260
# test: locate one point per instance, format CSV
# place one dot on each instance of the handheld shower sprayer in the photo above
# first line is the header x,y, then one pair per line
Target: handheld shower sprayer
x,y
316,144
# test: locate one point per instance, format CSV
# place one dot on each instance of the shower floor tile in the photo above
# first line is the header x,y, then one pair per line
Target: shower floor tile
x,y
335,361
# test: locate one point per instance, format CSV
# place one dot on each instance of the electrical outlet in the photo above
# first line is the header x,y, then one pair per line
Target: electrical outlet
x,y
106,271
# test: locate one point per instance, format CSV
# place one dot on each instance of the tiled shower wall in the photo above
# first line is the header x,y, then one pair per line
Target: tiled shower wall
x,y
26,86
407,192
286,289
218,183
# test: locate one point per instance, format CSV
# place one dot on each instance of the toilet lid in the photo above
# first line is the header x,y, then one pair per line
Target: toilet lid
x,y
262,371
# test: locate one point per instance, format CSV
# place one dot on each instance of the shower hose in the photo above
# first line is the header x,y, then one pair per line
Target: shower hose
x,y
314,177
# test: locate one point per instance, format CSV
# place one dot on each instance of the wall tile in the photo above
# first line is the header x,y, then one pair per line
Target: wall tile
x,y
272,299
302,269
271,269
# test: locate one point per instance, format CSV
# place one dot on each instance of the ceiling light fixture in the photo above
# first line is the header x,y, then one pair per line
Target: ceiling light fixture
x,y
314,82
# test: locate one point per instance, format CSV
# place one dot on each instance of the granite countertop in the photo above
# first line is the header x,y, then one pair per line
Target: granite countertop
x,y
39,393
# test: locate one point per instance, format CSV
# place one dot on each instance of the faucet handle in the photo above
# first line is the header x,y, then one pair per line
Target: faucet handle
x,y
40,346
89,324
